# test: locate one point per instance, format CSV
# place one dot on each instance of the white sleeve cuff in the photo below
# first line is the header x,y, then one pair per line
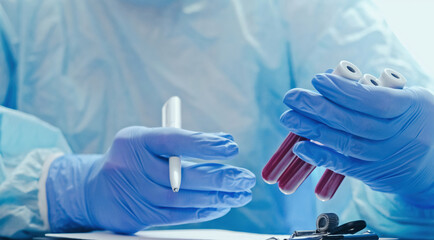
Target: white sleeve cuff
x,y
42,194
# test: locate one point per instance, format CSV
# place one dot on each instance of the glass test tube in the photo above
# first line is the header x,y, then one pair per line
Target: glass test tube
x,y
328,185
281,159
286,168
294,175
292,171
330,181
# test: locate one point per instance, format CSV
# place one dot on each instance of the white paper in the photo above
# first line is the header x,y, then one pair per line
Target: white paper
x,y
193,234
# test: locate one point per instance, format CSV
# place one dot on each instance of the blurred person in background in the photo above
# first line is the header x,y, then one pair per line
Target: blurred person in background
x,y
82,84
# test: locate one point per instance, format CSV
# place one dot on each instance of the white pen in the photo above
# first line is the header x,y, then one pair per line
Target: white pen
x,y
171,116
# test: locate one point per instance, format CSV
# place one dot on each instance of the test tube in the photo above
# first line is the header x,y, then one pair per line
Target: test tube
x,y
292,172
330,181
294,175
281,159
328,185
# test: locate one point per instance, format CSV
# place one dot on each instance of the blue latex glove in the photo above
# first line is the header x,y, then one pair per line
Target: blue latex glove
x,y
128,188
381,136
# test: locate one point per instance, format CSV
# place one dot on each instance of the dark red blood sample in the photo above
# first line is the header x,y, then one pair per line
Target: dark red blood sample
x,y
281,159
294,175
328,185
290,171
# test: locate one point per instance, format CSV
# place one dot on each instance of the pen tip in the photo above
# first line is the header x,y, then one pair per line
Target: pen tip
x,y
175,189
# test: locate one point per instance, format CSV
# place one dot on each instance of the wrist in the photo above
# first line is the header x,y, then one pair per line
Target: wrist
x,y
422,194
420,200
66,193
42,194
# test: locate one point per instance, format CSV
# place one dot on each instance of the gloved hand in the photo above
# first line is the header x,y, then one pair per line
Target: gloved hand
x,y
128,188
381,136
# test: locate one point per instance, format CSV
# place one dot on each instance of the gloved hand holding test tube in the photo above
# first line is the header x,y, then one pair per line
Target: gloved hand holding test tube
x,y
290,171
171,117
284,166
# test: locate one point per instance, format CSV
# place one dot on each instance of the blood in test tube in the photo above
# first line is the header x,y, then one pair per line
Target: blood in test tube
x,y
281,159
289,170
328,185
294,175
330,181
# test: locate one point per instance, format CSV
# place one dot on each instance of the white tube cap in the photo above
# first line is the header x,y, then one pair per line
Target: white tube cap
x,y
370,80
348,70
392,79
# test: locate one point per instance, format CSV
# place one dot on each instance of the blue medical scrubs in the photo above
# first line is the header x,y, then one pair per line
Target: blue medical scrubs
x,y
91,68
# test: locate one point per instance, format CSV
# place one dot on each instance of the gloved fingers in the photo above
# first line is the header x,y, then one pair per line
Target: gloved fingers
x,y
323,156
224,135
164,197
220,134
373,100
180,142
376,174
319,108
218,177
173,216
330,70
203,176
340,141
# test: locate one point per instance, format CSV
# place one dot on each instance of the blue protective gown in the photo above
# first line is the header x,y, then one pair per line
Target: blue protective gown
x,y
91,68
